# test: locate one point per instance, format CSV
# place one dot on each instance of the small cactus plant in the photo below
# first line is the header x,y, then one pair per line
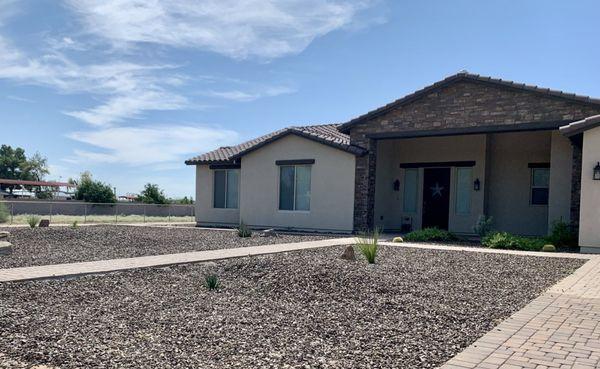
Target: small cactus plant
x,y
211,281
549,248
244,231
398,239
33,221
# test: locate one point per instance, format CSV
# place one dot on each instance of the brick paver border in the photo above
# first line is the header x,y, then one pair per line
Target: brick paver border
x,y
559,329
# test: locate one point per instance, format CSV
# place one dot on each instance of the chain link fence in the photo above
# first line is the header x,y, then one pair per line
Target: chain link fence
x,y
68,212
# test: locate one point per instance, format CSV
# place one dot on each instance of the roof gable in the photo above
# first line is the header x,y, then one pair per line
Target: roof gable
x,y
326,134
462,77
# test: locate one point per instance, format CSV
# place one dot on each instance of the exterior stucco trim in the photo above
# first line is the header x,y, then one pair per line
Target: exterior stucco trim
x,y
295,162
469,163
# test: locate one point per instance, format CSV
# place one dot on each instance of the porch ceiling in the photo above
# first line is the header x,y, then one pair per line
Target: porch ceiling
x,y
521,127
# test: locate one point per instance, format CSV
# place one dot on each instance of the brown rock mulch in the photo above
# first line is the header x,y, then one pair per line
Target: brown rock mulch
x,y
309,309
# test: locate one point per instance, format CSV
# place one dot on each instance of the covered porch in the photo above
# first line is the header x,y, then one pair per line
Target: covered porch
x,y
522,179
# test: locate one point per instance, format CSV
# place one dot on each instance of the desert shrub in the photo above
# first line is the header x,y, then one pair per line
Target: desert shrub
x,y
505,240
429,235
75,224
243,230
33,220
562,234
549,248
4,214
368,244
484,226
211,281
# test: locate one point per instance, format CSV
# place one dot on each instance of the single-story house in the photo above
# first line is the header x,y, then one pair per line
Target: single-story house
x,y
443,156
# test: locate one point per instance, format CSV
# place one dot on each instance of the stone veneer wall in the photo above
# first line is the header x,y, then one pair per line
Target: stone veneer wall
x,y
462,104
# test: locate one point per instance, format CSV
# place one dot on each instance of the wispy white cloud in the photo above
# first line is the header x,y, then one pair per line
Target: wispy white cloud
x,y
238,95
157,145
128,89
19,98
238,29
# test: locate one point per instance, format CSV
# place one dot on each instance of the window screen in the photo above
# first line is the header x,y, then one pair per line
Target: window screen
x,y
226,189
464,182
411,179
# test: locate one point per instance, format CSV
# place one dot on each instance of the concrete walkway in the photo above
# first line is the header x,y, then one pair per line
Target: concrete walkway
x,y
105,266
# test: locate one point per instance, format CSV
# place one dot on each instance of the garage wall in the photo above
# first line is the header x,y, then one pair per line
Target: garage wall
x,y
589,221
332,186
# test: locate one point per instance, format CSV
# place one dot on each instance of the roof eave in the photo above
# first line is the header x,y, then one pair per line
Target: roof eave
x,y
355,150
580,126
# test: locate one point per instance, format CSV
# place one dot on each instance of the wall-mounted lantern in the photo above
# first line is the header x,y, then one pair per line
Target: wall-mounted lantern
x,y
597,172
477,185
396,185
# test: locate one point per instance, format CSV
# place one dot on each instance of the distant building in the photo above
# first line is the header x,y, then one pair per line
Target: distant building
x,y
28,189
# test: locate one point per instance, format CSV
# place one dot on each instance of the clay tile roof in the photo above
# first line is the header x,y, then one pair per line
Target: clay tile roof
x,y
326,134
580,126
466,76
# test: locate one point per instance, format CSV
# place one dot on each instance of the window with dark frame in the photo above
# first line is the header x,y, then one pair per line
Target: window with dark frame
x,y
540,185
226,188
294,187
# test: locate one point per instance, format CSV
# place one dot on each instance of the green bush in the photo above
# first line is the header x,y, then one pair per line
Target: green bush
x,y
244,231
484,226
505,240
429,235
211,281
33,221
368,245
4,214
549,248
75,224
562,234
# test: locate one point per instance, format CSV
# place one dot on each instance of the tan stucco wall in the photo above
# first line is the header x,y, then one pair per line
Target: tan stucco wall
x,y
391,153
332,186
589,220
509,181
206,214
561,166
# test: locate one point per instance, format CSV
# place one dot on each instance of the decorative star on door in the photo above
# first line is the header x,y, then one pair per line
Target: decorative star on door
x,y
436,190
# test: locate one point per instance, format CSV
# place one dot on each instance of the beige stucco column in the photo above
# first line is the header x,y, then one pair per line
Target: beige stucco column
x,y
589,219
561,166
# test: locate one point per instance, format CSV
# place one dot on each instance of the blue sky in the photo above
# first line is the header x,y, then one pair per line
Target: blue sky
x,y
129,89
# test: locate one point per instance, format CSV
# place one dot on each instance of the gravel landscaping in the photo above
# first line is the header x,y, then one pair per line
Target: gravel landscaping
x,y
56,245
308,309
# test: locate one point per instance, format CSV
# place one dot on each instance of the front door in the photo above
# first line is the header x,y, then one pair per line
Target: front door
x,y
436,197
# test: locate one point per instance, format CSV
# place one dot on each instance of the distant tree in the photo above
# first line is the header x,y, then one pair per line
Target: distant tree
x,y
15,165
36,167
152,194
184,201
43,195
93,191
